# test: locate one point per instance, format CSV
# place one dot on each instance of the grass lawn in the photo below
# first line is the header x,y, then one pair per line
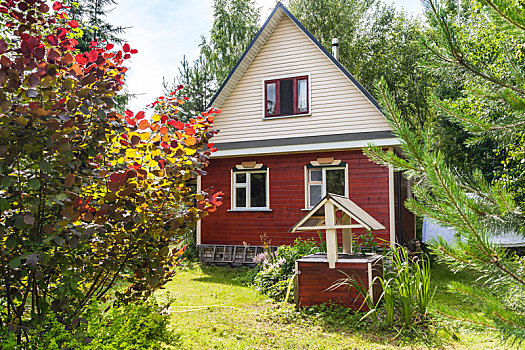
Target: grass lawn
x,y
212,308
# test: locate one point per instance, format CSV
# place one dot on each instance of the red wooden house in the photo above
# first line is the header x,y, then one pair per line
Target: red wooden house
x,y
292,127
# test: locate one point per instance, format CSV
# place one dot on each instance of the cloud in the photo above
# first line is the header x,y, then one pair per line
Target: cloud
x,y
163,31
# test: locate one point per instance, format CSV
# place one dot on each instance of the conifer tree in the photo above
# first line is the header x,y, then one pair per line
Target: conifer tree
x,y
92,13
476,208
197,84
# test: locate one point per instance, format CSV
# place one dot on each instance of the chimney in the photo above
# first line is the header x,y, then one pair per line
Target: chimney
x,y
335,48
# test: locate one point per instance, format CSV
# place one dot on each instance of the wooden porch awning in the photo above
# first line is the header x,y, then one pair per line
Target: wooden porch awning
x,y
315,219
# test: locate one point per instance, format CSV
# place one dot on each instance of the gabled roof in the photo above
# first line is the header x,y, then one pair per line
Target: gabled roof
x,y
257,43
314,219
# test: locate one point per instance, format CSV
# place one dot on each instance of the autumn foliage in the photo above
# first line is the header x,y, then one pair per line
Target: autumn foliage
x,y
88,197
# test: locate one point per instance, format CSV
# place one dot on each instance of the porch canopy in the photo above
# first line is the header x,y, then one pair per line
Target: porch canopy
x,y
335,212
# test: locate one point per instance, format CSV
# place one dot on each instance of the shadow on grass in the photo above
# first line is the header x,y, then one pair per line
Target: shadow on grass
x,y
235,276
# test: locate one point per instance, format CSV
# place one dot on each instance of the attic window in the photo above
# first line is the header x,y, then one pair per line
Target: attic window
x,y
286,97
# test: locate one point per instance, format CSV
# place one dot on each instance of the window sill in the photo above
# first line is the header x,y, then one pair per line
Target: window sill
x,y
306,209
288,116
255,209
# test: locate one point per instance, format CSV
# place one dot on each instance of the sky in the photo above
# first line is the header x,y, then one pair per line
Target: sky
x,y
164,31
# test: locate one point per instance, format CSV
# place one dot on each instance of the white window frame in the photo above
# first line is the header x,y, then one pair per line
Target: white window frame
x,y
308,181
247,185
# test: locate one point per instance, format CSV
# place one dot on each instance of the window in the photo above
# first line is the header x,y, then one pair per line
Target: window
x,y
287,96
325,180
250,189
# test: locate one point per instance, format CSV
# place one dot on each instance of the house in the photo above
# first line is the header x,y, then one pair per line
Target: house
x,y
292,127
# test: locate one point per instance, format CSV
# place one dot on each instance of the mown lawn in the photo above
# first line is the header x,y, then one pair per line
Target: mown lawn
x,y
212,308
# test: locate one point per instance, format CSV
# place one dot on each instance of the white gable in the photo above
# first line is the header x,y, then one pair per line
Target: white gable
x,y
338,105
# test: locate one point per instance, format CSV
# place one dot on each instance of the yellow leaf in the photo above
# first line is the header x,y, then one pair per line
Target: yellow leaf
x,y
130,153
152,163
155,117
155,152
144,136
156,138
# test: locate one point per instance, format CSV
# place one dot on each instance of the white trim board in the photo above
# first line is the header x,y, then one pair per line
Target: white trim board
x,y
326,146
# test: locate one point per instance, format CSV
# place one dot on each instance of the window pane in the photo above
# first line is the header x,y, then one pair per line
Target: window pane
x,y
240,197
315,194
271,100
335,181
316,175
240,178
286,96
258,190
302,96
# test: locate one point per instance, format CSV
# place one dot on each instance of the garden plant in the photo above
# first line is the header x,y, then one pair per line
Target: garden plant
x,y
88,197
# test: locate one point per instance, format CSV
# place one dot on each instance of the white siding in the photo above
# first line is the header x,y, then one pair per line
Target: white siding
x,y
337,105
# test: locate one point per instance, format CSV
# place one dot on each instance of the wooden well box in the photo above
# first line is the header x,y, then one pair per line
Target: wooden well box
x,y
315,279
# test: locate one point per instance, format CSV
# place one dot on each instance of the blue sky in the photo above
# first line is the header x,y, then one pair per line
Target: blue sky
x,y
163,31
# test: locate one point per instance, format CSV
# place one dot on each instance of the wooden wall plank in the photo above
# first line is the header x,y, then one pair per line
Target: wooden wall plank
x,y
368,188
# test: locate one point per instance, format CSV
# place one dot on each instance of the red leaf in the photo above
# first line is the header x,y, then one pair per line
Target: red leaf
x,y
33,79
210,119
52,40
92,56
73,23
163,130
133,51
178,125
126,48
140,115
57,5
61,33
109,46
43,8
164,118
189,131
144,124
3,46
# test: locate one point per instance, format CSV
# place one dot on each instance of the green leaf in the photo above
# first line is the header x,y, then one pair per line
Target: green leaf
x,y
11,242
61,197
44,166
4,204
34,184
15,263
6,181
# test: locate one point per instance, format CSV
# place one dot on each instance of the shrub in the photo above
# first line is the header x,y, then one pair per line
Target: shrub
x,y
127,327
277,268
130,327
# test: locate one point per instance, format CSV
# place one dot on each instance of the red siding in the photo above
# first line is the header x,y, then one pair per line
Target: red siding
x,y
315,283
368,188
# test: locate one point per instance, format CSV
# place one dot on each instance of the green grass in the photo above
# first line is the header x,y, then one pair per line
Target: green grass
x,y
212,308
